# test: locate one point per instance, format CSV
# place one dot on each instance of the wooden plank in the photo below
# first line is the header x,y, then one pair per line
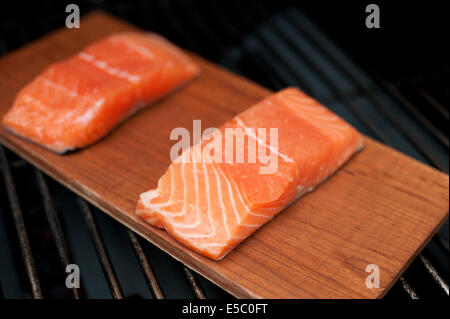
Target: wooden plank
x,y
381,208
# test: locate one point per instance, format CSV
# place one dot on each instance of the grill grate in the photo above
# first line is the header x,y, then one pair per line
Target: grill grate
x,y
55,225
276,45
102,253
20,227
152,281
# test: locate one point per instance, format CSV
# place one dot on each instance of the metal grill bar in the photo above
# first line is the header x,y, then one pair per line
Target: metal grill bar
x,y
286,67
21,231
55,226
433,102
198,292
441,137
436,276
353,107
275,83
102,254
423,148
284,71
411,293
150,277
232,32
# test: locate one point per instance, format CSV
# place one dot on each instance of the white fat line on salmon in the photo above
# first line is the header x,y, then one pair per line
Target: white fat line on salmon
x,y
270,147
152,208
208,196
152,220
222,204
213,232
172,184
28,98
147,197
142,50
102,65
170,216
89,114
261,215
184,210
167,204
197,188
233,203
183,178
238,192
64,89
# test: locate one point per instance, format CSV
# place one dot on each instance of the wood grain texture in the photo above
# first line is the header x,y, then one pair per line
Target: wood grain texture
x,y
381,208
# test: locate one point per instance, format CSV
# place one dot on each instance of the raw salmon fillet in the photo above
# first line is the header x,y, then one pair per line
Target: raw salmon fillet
x,y
76,102
212,206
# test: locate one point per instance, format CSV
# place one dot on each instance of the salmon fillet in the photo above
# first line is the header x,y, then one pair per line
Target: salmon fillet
x,y
212,205
76,102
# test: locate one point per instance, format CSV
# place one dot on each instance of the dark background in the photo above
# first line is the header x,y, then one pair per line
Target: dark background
x,y
410,45
411,32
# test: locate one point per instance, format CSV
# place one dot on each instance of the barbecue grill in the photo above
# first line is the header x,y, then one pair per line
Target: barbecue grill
x,y
44,227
